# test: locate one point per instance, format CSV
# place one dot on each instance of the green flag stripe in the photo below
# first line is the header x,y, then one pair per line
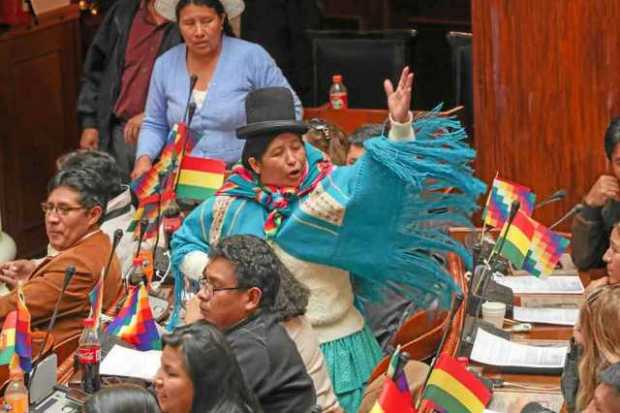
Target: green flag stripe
x,y
194,192
444,399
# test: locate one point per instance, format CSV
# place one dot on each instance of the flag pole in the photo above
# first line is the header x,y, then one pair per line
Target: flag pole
x,y
457,300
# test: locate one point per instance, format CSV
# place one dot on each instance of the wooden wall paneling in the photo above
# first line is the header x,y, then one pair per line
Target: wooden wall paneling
x,y
546,84
39,90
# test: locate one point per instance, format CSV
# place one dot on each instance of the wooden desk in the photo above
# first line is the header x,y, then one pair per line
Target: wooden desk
x,y
539,332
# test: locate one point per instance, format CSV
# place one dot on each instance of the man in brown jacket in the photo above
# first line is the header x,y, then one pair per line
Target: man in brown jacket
x,y
73,212
601,208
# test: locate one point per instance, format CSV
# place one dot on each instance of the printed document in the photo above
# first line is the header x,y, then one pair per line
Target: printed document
x,y
530,284
126,362
557,316
496,351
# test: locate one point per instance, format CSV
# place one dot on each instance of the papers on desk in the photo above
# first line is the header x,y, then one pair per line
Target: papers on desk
x,y
496,351
557,316
544,285
126,362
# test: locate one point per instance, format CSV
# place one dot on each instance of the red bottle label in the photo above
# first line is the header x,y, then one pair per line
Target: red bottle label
x,y
89,354
339,100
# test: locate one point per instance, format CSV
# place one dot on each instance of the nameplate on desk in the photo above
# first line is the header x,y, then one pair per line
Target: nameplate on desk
x,y
530,284
492,350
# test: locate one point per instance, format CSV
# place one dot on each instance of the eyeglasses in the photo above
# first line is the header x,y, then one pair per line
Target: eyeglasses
x,y
60,210
211,290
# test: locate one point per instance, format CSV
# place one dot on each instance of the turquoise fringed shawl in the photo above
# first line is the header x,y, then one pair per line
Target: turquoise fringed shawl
x,y
379,219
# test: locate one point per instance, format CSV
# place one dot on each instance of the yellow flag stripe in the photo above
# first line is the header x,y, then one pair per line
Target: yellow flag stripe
x,y
203,179
450,385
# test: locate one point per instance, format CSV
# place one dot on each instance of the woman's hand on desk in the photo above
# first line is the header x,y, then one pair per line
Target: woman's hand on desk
x,y
89,138
132,129
143,164
14,271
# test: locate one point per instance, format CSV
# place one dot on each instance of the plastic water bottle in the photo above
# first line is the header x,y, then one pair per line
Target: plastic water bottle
x,y
16,393
89,357
338,97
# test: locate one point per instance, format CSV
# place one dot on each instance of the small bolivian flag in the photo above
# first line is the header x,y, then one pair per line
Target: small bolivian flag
x,y
200,177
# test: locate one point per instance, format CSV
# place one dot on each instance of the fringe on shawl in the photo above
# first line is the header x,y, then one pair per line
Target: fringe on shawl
x,y
442,191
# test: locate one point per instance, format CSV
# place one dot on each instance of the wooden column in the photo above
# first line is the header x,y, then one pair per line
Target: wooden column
x,y
546,84
38,121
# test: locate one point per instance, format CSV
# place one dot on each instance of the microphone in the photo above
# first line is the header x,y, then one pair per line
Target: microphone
x,y
457,300
69,273
193,79
143,224
118,234
554,197
574,210
191,109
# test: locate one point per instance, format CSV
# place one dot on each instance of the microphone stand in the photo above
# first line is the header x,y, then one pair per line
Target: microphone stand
x,y
487,271
574,210
556,196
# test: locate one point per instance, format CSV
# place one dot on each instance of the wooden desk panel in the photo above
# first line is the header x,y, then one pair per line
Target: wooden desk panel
x,y
546,85
38,92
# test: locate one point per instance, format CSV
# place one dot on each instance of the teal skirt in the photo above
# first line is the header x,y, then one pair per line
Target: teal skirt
x,y
350,360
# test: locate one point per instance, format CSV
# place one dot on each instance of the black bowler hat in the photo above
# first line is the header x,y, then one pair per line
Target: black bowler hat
x,y
270,111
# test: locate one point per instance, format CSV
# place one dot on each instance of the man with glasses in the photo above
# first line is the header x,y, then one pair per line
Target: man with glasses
x,y
73,213
238,290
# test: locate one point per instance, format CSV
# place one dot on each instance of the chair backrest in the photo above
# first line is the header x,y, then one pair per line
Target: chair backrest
x,y
419,336
364,59
460,43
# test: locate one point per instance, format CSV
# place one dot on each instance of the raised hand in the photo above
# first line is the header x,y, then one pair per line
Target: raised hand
x,y
605,188
399,100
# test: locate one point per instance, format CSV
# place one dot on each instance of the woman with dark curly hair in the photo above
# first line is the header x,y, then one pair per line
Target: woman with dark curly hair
x,y
199,374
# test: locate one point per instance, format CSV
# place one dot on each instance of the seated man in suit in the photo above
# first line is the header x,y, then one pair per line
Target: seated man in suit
x,y
239,286
73,213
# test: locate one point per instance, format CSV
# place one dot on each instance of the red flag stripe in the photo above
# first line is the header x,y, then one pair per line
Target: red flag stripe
x,y
460,373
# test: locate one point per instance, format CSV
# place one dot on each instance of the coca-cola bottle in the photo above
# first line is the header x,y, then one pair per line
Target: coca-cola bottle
x,y
137,272
89,357
338,97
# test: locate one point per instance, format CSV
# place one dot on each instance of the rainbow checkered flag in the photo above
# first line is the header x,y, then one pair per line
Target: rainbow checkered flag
x,y
148,187
518,239
395,396
503,193
134,323
452,388
545,250
16,337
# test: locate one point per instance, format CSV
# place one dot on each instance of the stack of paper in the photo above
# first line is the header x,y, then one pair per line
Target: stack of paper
x,y
126,362
496,351
544,285
557,316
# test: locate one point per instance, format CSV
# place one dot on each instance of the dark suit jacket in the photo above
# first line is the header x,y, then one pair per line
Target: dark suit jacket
x,y
590,234
89,256
103,68
271,365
